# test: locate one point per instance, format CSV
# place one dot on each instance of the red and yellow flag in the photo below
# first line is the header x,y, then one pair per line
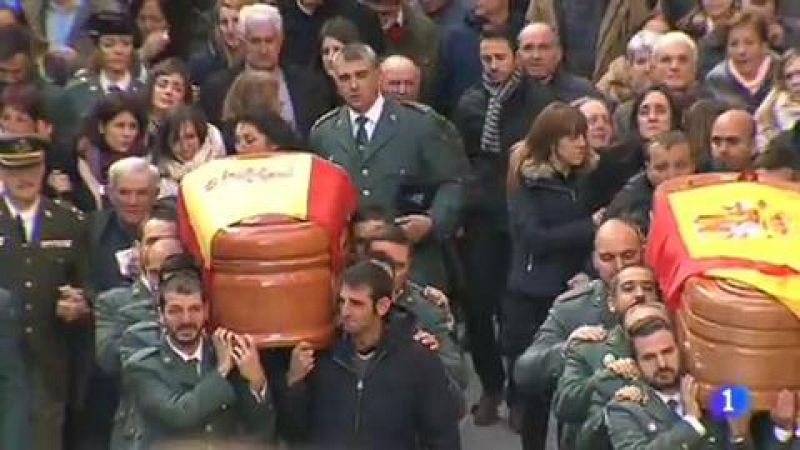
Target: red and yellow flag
x,y
743,231
223,192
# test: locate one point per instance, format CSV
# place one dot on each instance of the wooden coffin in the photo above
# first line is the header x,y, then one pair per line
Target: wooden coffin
x,y
270,265
733,335
271,277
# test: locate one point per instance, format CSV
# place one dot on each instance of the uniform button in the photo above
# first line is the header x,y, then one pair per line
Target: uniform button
x,y
28,307
365,171
28,284
366,192
685,446
209,428
223,407
29,330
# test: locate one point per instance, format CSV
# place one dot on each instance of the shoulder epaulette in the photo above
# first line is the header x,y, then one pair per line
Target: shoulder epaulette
x,y
70,208
81,77
67,206
421,107
141,355
326,116
144,325
574,293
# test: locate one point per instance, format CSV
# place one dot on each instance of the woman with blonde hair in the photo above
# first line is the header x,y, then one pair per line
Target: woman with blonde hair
x,y
781,109
551,227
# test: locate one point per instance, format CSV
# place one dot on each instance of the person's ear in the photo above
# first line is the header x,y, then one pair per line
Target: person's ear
x,y
383,305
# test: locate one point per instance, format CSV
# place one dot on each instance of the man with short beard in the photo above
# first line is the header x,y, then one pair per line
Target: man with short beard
x,y
197,388
662,411
595,370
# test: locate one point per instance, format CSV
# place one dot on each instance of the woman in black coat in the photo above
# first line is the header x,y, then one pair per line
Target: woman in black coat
x,y
551,226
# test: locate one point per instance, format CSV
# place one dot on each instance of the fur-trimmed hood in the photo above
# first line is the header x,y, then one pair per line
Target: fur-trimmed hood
x,y
542,170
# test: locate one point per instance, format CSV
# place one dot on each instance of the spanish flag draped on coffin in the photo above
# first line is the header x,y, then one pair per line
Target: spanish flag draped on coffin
x,y
726,252
270,232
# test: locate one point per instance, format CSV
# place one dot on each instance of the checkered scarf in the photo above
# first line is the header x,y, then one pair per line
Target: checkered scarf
x,y
499,93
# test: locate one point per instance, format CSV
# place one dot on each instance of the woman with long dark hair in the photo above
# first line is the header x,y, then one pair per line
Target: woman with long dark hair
x,y
115,130
551,227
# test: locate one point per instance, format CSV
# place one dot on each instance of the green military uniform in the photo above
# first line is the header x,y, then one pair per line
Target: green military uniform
x,y
540,366
33,266
128,430
412,154
654,426
114,311
587,385
126,320
432,319
179,401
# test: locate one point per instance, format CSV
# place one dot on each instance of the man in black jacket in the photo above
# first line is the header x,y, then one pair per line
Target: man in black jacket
x,y
376,387
666,157
303,96
491,116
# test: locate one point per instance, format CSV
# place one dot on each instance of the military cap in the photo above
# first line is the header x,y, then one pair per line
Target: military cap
x,y
20,151
110,22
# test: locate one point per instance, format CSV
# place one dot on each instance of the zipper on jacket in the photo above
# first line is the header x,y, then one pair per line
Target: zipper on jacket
x,y
359,395
529,263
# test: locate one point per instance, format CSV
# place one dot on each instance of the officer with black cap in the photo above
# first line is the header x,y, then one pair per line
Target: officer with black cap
x,y
117,68
43,263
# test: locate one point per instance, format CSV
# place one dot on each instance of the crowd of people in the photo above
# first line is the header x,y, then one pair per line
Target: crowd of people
x,y
505,156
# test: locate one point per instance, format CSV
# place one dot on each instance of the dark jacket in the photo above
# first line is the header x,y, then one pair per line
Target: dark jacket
x,y
402,403
616,166
459,59
486,188
304,30
206,61
634,201
14,376
551,231
567,87
309,94
107,236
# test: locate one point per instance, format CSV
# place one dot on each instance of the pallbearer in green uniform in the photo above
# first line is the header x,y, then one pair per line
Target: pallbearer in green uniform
x,y
43,262
595,370
205,391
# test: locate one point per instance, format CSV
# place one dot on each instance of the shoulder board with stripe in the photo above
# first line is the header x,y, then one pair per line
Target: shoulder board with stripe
x,y
325,117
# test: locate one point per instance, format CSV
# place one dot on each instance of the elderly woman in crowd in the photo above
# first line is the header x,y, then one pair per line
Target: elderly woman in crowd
x,y
745,77
630,74
781,109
